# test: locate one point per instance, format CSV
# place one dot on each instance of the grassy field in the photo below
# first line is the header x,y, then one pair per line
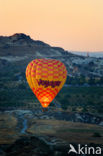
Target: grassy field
x,y
8,128
68,131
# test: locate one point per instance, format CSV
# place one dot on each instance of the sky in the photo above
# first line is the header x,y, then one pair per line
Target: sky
x,y
75,25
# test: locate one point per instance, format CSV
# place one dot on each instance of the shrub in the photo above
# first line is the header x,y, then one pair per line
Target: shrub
x,y
96,134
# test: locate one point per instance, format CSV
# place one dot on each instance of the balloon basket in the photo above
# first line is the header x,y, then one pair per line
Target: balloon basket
x,y
44,109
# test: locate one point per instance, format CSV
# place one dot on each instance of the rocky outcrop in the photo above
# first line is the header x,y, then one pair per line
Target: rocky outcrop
x,y
19,39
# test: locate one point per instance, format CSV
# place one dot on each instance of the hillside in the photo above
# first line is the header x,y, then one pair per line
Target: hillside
x,y
20,49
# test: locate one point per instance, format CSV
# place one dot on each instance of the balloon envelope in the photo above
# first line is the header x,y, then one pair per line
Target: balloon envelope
x,y
46,77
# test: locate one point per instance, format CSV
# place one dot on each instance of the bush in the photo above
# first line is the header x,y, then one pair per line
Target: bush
x,y
96,134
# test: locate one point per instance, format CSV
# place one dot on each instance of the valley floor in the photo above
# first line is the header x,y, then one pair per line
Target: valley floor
x,y
17,123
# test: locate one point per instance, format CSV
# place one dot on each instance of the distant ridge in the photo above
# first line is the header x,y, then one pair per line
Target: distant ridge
x,y
91,54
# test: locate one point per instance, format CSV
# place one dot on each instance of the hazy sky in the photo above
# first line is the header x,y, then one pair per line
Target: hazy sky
x,y
72,24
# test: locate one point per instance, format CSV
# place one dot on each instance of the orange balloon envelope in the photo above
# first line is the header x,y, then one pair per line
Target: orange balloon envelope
x,y
46,77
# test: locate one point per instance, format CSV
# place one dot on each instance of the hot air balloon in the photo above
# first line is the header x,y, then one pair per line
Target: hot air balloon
x,y
46,77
